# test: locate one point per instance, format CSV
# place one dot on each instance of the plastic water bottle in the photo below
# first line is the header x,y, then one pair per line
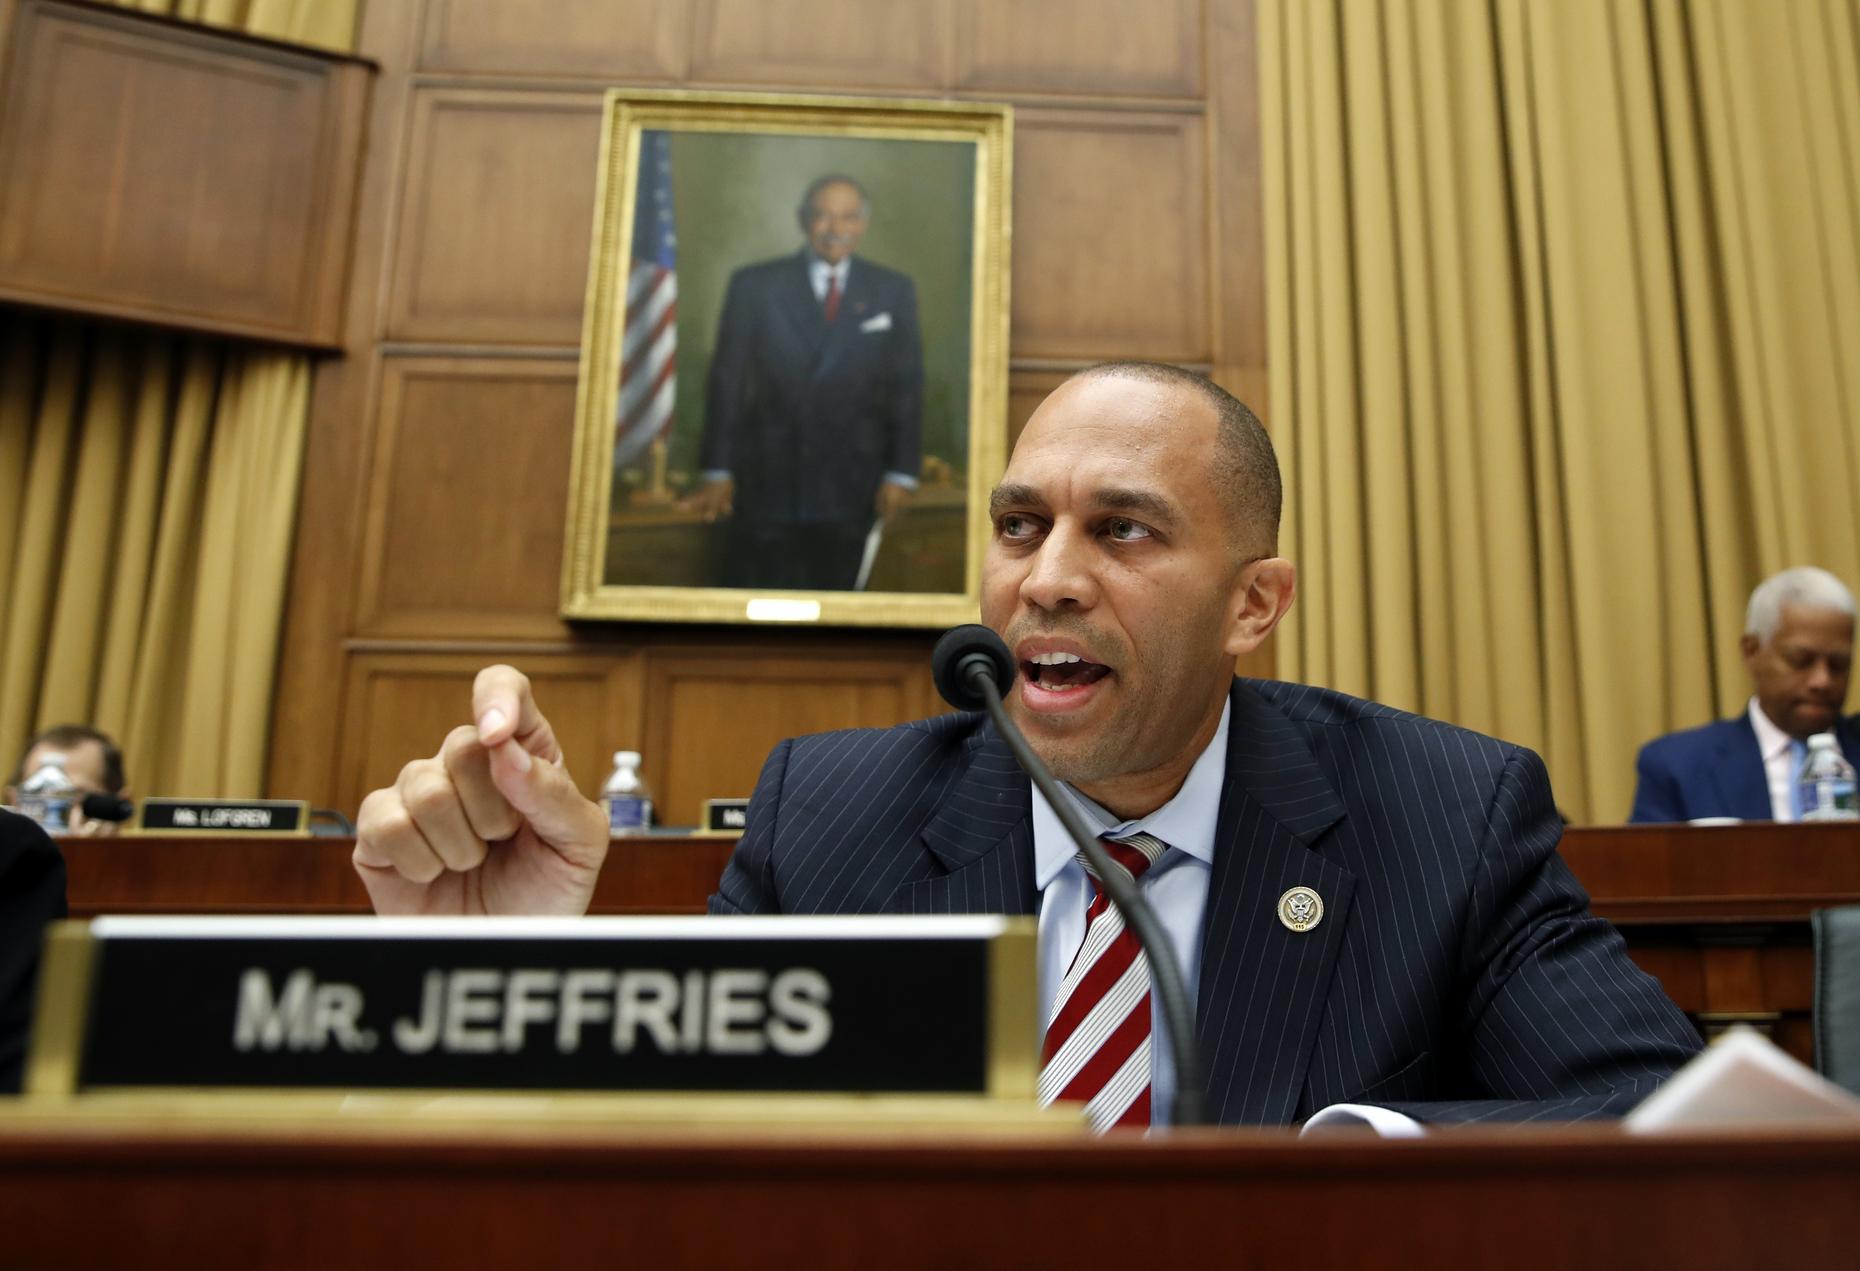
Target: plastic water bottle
x,y
1827,783
629,802
47,796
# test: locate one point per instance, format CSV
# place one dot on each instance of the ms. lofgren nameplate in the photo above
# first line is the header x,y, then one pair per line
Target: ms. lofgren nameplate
x,y
885,1005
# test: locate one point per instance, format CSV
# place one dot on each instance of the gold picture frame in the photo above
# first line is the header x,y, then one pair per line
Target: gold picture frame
x,y
743,492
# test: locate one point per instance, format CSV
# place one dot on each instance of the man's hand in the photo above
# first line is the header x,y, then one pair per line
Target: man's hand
x,y
891,500
492,824
715,498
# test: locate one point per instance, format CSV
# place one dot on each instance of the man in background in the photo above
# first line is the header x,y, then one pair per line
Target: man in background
x,y
1798,646
813,418
91,761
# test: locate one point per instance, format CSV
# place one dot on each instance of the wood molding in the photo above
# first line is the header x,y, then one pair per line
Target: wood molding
x,y
173,174
445,547
610,40
1110,268
1079,46
496,214
818,45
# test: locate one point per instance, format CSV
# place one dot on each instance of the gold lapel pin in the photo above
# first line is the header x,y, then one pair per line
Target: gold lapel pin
x,y
1301,909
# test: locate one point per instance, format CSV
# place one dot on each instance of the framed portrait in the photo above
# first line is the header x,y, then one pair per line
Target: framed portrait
x,y
793,392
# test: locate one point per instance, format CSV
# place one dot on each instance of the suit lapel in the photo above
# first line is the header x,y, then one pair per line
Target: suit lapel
x,y
980,842
1740,772
1262,985
841,333
796,302
1847,732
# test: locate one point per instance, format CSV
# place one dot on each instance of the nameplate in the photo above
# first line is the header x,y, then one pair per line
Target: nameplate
x,y
726,816
866,1005
223,816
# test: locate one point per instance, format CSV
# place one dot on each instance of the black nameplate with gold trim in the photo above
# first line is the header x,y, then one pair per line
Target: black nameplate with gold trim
x,y
871,1005
726,816
223,816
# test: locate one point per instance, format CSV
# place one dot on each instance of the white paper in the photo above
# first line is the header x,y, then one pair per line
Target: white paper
x,y
1386,1122
1743,1079
872,540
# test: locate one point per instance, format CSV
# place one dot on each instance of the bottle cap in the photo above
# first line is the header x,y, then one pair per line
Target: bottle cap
x,y
626,759
51,777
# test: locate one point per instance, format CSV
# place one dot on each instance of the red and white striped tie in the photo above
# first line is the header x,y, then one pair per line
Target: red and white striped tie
x,y
1097,1048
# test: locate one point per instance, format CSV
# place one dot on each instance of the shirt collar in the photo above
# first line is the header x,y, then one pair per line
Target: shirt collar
x,y
818,269
1771,740
1186,823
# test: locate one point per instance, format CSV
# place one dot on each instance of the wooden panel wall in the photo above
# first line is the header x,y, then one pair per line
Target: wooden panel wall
x,y
171,174
431,527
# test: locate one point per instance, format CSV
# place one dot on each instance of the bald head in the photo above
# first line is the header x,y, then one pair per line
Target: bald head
x,y
1241,465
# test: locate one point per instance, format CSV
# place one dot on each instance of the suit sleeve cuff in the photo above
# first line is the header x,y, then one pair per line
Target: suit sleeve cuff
x,y
904,479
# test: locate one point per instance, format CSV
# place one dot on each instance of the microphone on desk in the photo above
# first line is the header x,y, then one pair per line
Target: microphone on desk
x,y
107,807
970,665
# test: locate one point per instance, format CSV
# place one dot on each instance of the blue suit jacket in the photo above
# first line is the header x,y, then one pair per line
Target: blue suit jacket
x,y
808,415
1456,964
1712,770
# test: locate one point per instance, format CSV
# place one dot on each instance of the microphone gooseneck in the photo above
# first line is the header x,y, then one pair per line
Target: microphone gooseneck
x,y
970,663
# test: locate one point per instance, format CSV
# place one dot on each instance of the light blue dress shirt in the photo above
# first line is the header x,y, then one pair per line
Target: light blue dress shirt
x,y
1176,885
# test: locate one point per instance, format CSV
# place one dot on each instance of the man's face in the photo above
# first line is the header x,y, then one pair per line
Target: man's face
x,y
1111,545
835,222
1800,672
83,763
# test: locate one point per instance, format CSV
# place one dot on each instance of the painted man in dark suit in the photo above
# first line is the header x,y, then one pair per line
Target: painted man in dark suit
x,y
1798,646
1440,959
813,418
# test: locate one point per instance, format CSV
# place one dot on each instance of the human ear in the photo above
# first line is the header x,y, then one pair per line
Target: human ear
x,y
1264,592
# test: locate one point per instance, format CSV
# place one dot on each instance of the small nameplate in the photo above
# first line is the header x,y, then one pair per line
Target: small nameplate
x,y
726,816
881,1005
223,816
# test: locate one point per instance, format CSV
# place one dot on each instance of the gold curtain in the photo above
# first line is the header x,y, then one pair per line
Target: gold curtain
x,y
326,23
1565,350
148,495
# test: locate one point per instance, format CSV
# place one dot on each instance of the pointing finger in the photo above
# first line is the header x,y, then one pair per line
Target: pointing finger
x,y
545,795
468,765
504,707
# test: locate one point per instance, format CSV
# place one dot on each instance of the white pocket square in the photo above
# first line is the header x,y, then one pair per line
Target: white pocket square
x,y
881,323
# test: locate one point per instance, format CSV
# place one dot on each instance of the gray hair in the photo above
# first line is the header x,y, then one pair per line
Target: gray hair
x,y
814,187
1806,587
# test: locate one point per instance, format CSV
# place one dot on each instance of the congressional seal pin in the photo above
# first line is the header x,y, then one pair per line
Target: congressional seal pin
x,y
1301,909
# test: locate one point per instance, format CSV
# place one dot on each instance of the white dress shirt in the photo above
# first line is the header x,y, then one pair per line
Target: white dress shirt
x,y
1779,761
1176,885
820,273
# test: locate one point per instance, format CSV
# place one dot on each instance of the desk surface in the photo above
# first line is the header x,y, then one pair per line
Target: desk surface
x,y
1634,873
359,1195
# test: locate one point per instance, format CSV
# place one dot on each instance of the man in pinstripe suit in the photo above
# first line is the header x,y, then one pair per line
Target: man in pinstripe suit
x,y
1454,971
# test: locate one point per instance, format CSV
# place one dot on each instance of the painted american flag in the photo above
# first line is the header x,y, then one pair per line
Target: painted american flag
x,y
649,339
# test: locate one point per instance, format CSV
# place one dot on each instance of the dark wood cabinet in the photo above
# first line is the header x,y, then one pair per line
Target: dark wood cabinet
x,y
172,174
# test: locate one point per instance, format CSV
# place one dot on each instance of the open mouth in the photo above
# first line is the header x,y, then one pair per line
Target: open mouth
x,y
1057,672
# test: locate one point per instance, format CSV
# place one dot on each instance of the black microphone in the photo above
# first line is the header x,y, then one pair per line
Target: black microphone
x,y
107,807
970,664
